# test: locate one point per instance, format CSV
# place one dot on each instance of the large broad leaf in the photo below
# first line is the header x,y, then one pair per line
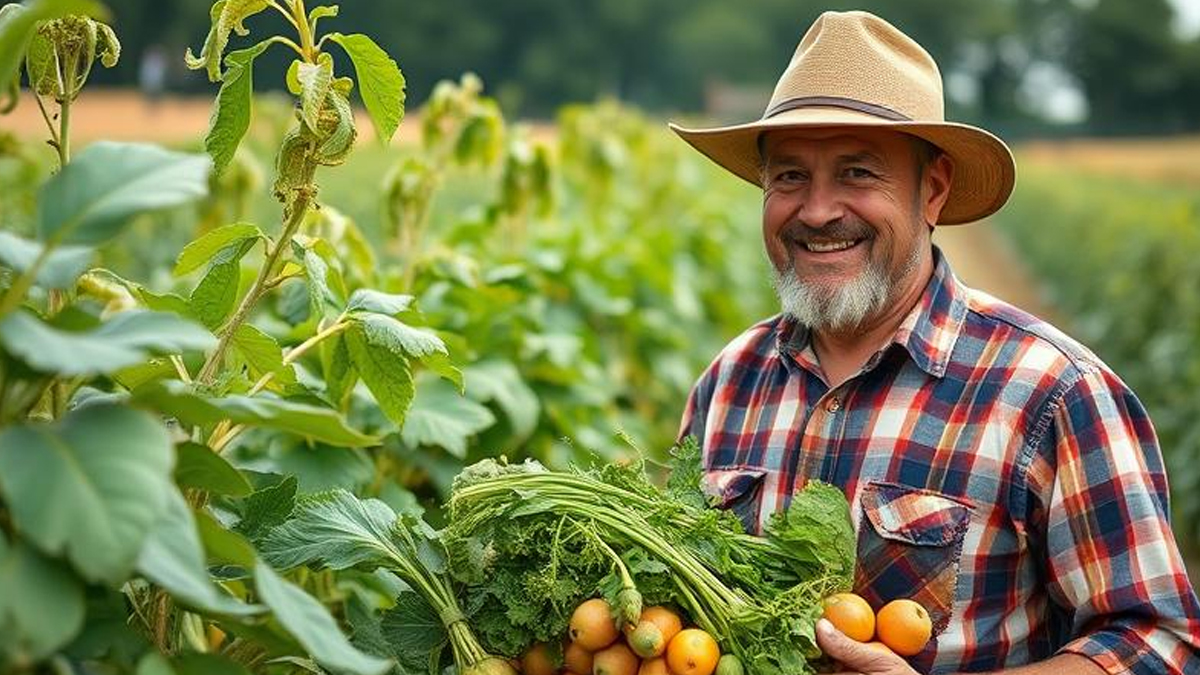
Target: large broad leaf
x,y
322,424
90,487
199,467
231,115
379,82
104,186
18,22
200,252
41,606
442,417
415,633
310,623
499,381
223,545
334,529
129,338
173,558
60,268
323,467
380,348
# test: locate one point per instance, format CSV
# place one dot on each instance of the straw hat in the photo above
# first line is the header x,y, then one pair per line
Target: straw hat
x,y
854,69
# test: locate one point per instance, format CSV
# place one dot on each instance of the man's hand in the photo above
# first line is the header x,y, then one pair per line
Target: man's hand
x,y
858,657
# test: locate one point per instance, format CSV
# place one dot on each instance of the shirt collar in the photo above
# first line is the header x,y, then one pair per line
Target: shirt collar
x,y
928,333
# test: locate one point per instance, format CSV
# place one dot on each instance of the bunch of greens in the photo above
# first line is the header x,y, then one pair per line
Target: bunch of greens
x,y
337,530
530,544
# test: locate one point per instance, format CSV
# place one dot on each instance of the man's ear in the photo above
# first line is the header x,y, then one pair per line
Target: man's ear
x,y
935,187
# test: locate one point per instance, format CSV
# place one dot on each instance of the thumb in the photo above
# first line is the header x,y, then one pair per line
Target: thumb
x,y
852,654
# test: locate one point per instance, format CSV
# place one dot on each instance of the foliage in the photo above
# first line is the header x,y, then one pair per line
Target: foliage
x,y
532,544
517,295
1132,290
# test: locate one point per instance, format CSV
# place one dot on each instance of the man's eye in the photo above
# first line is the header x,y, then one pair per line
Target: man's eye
x,y
789,176
859,173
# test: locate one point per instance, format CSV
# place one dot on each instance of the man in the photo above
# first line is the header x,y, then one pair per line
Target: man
x,y
998,472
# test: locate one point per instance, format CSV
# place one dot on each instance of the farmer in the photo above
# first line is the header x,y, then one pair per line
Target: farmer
x,y
999,473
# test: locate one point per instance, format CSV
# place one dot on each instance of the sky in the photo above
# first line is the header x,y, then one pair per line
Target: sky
x,y
1188,15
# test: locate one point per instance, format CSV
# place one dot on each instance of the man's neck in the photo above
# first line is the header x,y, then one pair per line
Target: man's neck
x,y
843,354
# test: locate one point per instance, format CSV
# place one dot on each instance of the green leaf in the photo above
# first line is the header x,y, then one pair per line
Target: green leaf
x,y
154,663
314,79
107,184
42,606
231,113
383,367
215,296
499,381
309,622
391,304
174,559
322,424
227,16
320,12
192,663
415,633
379,81
197,466
201,251
322,467
441,417
89,487
127,339
18,22
334,529
262,354
325,283
340,375
61,267
267,508
223,545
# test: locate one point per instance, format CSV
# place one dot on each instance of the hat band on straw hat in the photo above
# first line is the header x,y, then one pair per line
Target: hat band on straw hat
x,y
836,102
855,70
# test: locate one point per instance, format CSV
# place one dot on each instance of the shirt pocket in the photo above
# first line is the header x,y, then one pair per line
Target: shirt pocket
x,y
909,546
737,489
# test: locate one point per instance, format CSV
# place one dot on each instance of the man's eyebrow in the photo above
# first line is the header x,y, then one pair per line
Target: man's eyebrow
x,y
864,156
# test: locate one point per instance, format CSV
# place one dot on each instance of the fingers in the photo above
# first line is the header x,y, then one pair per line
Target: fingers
x,y
857,657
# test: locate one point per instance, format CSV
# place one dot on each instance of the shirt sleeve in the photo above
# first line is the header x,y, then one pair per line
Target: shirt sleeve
x,y
1112,561
696,410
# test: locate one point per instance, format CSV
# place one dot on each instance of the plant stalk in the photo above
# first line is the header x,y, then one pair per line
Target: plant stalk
x,y
296,211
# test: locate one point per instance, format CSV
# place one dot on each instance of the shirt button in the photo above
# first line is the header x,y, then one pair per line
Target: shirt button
x,y
833,404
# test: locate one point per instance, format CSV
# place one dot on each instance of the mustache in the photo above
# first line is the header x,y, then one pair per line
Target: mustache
x,y
838,230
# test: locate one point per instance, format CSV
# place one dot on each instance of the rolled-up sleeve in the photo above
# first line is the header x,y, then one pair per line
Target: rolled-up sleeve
x,y
1113,565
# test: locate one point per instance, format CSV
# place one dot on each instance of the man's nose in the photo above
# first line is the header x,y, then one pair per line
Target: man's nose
x,y
822,204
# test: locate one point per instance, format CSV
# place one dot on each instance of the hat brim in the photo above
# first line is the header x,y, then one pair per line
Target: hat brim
x,y
984,170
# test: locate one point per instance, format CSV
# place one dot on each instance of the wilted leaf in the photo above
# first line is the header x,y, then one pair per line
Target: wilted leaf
x,y
17,23
227,16
90,487
235,101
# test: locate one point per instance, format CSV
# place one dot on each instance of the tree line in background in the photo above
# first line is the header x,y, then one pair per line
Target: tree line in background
x,y
1132,70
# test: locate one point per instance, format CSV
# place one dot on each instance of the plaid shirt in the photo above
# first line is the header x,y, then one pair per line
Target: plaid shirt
x,y
998,473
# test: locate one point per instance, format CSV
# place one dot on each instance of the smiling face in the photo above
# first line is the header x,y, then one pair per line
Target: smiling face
x,y
846,216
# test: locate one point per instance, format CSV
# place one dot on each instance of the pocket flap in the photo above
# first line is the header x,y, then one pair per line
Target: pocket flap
x,y
913,515
727,486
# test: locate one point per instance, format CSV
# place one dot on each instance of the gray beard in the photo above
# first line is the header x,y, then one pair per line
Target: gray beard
x,y
841,307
